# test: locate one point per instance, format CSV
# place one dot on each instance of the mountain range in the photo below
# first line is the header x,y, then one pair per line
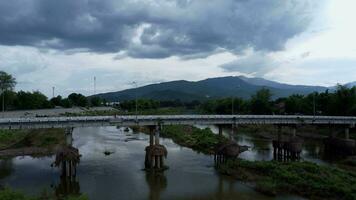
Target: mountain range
x,y
237,86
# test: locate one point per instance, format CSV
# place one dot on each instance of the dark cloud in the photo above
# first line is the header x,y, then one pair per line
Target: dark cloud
x,y
155,28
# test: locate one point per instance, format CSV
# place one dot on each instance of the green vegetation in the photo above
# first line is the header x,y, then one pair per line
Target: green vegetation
x,y
9,194
341,102
42,138
302,178
201,140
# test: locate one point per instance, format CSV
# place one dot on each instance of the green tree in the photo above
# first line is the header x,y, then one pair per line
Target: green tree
x,y
294,104
78,99
261,102
344,101
57,101
7,82
95,101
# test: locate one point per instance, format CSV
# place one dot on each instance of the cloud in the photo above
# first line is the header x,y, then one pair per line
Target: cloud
x,y
155,28
252,63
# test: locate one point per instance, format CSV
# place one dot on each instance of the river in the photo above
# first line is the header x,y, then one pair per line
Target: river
x,y
120,176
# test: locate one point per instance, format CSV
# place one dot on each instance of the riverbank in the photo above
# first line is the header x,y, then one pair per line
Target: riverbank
x,y
9,194
33,142
201,140
301,178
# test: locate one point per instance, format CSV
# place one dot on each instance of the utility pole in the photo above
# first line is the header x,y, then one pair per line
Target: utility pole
x,y
94,85
53,91
135,84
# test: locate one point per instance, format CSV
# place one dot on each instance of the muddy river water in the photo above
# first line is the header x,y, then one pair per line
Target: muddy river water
x,y
120,176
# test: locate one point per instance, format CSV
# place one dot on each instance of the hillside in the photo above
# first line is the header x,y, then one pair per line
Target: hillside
x,y
209,88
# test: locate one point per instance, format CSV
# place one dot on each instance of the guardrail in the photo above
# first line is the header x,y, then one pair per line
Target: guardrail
x,y
88,121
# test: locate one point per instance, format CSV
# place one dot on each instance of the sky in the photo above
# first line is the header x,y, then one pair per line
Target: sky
x,y
65,44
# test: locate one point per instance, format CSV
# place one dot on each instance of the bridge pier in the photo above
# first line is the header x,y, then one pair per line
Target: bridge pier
x,y
220,130
287,149
155,152
347,133
69,136
294,132
234,128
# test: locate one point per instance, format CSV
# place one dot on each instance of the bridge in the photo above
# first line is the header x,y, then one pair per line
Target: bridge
x,y
151,120
156,152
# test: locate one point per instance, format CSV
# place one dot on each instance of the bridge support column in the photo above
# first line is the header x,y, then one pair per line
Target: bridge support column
x,y
155,152
69,136
220,130
152,129
157,135
347,133
294,132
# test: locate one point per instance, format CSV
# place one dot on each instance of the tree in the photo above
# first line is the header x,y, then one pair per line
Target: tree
x,y
261,102
56,101
78,99
7,82
95,101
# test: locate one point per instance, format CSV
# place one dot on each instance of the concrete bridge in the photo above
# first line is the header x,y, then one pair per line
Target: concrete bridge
x,y
150,120
156,152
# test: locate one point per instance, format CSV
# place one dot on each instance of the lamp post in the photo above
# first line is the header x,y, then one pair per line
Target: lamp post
x,y
135,84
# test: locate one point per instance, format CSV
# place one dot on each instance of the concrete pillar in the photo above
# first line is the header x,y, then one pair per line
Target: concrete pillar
x,y
152,130
347,133
279,133
157,135
69,136
294,132
220,130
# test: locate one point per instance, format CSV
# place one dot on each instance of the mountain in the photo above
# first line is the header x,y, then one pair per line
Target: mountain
x,y
238,86
351,84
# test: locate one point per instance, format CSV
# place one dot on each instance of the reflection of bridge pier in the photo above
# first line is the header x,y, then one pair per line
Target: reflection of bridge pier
x,y
340,146
157,183
287,148
155,152
67,159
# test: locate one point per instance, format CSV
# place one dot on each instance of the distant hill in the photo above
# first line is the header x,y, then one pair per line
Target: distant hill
x,y
351,84
237,86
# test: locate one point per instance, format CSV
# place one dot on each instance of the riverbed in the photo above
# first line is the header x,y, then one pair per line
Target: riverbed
x,y
120,175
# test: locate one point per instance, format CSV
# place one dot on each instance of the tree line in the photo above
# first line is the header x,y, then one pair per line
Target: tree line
x,y
36,100
11,100
342,101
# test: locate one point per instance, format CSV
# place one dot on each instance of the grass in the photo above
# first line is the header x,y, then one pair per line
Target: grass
x,y
31,138
9,194
201,140
302,178
11,137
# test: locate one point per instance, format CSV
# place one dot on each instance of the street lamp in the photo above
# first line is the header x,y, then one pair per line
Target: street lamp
x,y
135,83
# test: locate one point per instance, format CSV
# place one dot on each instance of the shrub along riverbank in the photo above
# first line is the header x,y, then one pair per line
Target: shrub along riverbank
x,y
201,140
302,178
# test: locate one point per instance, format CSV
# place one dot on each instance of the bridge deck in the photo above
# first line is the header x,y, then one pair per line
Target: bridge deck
x,y
144,120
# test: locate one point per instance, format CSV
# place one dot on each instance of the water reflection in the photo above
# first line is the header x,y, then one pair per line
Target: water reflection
x,y
157,183
67,160
120,176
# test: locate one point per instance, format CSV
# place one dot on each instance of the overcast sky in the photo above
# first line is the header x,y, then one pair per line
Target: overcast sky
x,y
46,43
